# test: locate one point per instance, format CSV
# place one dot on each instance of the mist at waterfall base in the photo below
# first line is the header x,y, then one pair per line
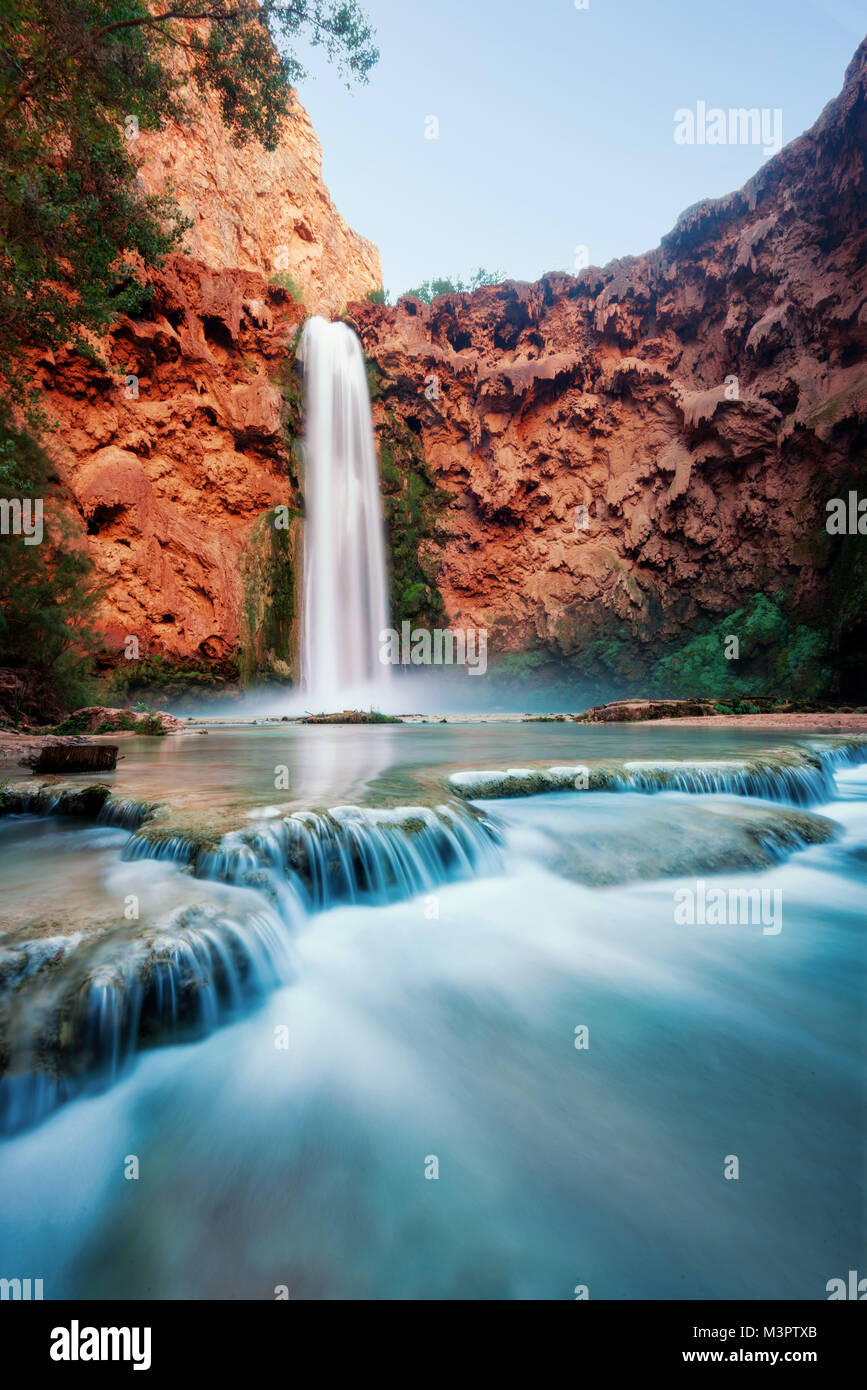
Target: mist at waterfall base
x,y
453,1037
428,690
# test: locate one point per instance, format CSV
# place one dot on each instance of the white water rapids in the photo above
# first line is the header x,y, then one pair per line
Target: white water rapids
x,y
345,595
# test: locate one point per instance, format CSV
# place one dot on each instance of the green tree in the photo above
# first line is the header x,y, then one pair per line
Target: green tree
x,y
428,290
47,589
77,78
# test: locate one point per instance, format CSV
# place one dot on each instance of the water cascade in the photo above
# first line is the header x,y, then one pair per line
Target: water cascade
x,y
344,603
80,1007
79,1030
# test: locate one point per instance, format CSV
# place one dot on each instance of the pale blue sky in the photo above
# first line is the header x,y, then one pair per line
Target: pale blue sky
x,y
556,124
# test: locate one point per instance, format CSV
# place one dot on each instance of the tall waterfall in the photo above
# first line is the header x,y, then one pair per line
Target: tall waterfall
x,y
345,602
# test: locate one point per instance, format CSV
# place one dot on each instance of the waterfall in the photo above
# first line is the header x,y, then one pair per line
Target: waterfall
x,y
75,1033
81,1028
345,603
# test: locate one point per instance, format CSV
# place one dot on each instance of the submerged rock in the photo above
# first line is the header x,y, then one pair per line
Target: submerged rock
x,y
668,839
76,1010
54,799
93,802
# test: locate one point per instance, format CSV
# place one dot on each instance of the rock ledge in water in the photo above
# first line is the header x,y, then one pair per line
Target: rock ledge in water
x,y
353,716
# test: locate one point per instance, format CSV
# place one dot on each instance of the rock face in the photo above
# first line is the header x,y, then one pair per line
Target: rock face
x,y
631,450
174,458
260,211
645,445
171,463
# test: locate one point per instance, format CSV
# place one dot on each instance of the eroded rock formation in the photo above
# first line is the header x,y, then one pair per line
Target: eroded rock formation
x,y
171,461
631,450
256,210
639,447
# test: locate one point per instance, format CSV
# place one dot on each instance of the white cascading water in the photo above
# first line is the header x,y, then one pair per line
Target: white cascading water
x,y
345,596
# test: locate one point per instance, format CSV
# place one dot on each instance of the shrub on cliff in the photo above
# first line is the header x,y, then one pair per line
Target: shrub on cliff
x,y
283,280
428,290
776,655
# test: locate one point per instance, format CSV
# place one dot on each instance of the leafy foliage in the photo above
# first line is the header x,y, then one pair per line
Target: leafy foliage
x,y
285,281
428,290
47,591
777,655
162,680
413,509
780,657
149,724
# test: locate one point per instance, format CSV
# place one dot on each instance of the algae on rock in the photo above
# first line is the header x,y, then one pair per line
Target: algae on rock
x,y
270,617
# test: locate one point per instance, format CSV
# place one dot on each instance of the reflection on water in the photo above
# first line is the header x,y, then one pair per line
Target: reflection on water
x,y
332,764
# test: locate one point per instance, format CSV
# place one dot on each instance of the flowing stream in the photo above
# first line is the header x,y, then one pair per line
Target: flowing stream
x,y
348,1051
345,595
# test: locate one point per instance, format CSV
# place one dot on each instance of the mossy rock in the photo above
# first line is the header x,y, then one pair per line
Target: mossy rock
x,y
271,568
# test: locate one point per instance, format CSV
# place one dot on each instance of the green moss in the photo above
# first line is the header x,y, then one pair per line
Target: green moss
x,y
283,280
288,381
375,377
777,656
163,680
414,508
270,617
836,407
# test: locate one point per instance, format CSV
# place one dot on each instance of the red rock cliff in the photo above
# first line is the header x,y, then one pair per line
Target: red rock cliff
x,y
698,401
171,457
